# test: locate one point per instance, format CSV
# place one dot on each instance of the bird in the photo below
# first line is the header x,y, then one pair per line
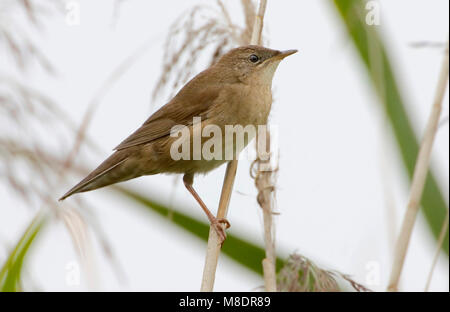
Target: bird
x,y
236,90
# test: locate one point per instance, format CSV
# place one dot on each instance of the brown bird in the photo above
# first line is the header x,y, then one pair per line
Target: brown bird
x,y
234,91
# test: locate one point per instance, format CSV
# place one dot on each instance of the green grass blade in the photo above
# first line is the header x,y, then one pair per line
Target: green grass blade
x,y
11,271
372,52
240,250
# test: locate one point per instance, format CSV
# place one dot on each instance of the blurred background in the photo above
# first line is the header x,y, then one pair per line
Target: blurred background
x,y
77,77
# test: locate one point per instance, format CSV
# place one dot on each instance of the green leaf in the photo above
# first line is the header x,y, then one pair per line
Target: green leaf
x,y
372,52
11,271
240,250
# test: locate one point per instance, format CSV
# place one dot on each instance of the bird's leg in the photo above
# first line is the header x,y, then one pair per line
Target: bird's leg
x,y
188,180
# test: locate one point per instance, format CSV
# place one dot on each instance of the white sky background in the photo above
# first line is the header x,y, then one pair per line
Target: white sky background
x,y
336,156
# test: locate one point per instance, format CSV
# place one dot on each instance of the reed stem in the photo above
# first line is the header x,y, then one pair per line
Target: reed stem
x,y
419,177
214,246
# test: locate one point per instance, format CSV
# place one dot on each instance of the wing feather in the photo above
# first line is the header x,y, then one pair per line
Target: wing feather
x,y
180,111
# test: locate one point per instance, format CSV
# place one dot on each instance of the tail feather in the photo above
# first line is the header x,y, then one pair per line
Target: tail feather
x,y
107,173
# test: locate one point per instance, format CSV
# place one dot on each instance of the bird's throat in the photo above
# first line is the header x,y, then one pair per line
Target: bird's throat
x,y
264,75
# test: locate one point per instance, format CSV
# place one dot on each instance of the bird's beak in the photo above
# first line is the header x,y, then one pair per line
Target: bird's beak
x,y
283,54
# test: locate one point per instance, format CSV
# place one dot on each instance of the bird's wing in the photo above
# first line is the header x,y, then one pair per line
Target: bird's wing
x,y
179,111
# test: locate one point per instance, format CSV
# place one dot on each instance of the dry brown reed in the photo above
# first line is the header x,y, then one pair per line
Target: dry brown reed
x,y
420,174
300,274
35,130
203,30
437,253
265,175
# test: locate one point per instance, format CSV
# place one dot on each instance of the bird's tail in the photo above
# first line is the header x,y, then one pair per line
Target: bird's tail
x,y
116,168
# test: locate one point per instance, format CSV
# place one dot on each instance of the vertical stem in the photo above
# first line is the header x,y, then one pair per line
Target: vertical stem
x,y
213,249
269,262
419,178
259,21
438,251
264,183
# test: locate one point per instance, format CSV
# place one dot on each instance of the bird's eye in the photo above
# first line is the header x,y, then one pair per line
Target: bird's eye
x,y
253,58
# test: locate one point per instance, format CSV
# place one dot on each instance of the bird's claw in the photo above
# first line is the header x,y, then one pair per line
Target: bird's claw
x,y
220,230
224,221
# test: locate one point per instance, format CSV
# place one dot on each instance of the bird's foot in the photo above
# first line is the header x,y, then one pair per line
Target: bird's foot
x,y
224,221
217,225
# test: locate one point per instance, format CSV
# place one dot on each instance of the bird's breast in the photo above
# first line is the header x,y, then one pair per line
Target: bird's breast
x,y
256,105
247,104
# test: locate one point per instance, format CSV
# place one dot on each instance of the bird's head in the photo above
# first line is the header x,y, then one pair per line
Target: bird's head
x,y
253,63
